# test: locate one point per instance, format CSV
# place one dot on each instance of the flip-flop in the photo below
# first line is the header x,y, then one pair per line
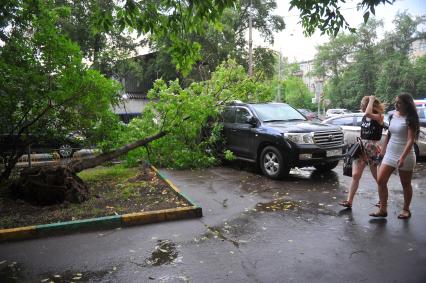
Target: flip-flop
x,y
403,215
345,203
379,214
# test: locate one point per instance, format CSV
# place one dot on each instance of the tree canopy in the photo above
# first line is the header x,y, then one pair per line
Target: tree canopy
x,y
361,64
46,90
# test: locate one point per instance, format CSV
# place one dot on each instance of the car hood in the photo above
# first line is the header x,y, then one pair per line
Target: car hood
x,y
301,126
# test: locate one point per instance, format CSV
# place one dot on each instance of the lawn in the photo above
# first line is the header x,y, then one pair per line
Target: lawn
x,y
114,190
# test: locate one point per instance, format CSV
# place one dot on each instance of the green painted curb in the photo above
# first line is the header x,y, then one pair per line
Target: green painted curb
x,y
100,222
193,211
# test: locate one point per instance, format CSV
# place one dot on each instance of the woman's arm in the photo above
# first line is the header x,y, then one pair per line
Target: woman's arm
x,y
385,144
369,110
408,147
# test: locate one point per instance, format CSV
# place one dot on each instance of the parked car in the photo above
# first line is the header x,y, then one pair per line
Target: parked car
x,y
421,110
311,116
277,137
351,126
336,112
65,146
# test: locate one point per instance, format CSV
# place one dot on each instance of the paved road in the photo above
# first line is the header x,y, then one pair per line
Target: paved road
x,y
253,230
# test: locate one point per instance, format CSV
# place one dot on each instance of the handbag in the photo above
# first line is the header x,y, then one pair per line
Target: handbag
x,y
347,166
353,152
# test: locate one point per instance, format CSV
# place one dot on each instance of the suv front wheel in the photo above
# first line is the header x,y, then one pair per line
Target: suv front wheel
x,y
273,164
327,166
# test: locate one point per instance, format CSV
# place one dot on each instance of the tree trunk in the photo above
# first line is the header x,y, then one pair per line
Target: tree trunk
x,y
80,165
52,185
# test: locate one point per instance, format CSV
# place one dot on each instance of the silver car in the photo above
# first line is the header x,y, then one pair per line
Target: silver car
x,y
351,126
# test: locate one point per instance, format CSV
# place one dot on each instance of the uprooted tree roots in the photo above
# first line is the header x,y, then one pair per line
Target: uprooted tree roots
x,y
51,185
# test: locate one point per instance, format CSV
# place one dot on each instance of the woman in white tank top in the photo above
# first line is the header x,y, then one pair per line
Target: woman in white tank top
x,y
399,154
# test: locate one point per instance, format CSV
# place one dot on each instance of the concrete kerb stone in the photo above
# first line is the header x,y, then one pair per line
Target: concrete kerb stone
x,y
140,218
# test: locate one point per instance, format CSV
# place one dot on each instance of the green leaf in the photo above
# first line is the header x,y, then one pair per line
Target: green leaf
x,y
366,16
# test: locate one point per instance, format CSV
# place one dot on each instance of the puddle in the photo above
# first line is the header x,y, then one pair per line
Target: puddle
x,y
74,276
277,205
165,252
173,278
215,232
11,272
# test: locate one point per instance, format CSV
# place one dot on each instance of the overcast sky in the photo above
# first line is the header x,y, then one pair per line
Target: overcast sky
x,y
296,47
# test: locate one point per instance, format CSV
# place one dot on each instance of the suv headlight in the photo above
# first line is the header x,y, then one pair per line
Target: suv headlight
x,y
300,138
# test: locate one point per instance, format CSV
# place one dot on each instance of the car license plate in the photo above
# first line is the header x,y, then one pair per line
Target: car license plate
x,y
334,152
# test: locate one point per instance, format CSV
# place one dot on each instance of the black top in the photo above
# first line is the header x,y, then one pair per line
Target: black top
x,y
371,130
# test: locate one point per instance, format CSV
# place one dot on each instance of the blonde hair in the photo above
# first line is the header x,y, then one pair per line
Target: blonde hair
x,y
378,107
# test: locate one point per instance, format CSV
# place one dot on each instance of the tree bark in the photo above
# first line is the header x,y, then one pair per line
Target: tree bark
x,y
80,165
52,185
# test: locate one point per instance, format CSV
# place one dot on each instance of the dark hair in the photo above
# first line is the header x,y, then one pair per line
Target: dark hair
x,y
411,111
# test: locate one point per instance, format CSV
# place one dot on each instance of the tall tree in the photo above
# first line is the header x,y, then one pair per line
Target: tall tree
x,y
46,89
331,61
296,93
420,77
396,72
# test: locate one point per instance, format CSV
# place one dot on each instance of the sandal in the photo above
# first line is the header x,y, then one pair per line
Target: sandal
x,y
379,214
346,204
404,214
377,204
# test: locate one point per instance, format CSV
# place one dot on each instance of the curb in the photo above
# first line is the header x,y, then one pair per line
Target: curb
x,y
131,219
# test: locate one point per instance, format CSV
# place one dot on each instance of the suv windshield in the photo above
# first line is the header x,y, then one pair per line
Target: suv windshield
x,y
277,112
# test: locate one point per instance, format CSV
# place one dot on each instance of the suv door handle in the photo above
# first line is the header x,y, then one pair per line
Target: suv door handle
x,y
233,130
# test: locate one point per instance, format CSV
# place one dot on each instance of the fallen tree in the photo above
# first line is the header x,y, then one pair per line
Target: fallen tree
x,y
56,184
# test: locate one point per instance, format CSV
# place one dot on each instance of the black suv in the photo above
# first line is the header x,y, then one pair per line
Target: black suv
x,y
278,137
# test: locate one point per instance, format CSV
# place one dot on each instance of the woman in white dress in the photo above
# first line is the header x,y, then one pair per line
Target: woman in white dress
x,y
399,154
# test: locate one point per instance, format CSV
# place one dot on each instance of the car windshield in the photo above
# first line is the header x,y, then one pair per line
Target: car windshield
x,y
277,112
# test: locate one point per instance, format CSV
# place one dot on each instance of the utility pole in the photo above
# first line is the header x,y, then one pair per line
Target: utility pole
x,y
250,63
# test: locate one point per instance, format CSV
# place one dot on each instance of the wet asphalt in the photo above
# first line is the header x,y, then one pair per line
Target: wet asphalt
x,y
253,230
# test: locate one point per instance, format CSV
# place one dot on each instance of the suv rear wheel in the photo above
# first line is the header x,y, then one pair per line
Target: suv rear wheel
x,y
273,164
327,166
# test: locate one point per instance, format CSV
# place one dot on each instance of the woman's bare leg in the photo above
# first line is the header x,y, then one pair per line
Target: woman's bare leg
x,y
384,174
357,169
373,169
405,177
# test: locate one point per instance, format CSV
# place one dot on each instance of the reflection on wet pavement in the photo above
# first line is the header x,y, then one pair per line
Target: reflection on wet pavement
x,y
14,272
10,272
278,204
164,253
73,276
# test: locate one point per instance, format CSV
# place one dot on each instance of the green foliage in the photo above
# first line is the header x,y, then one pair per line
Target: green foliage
x,y
229,155
325,15
297,94
359,64
189,116
420,76
46,90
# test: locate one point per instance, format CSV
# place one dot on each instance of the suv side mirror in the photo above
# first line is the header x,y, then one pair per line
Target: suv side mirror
x,y
252,120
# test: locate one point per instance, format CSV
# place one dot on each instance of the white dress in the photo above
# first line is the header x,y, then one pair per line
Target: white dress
x,y
399,131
